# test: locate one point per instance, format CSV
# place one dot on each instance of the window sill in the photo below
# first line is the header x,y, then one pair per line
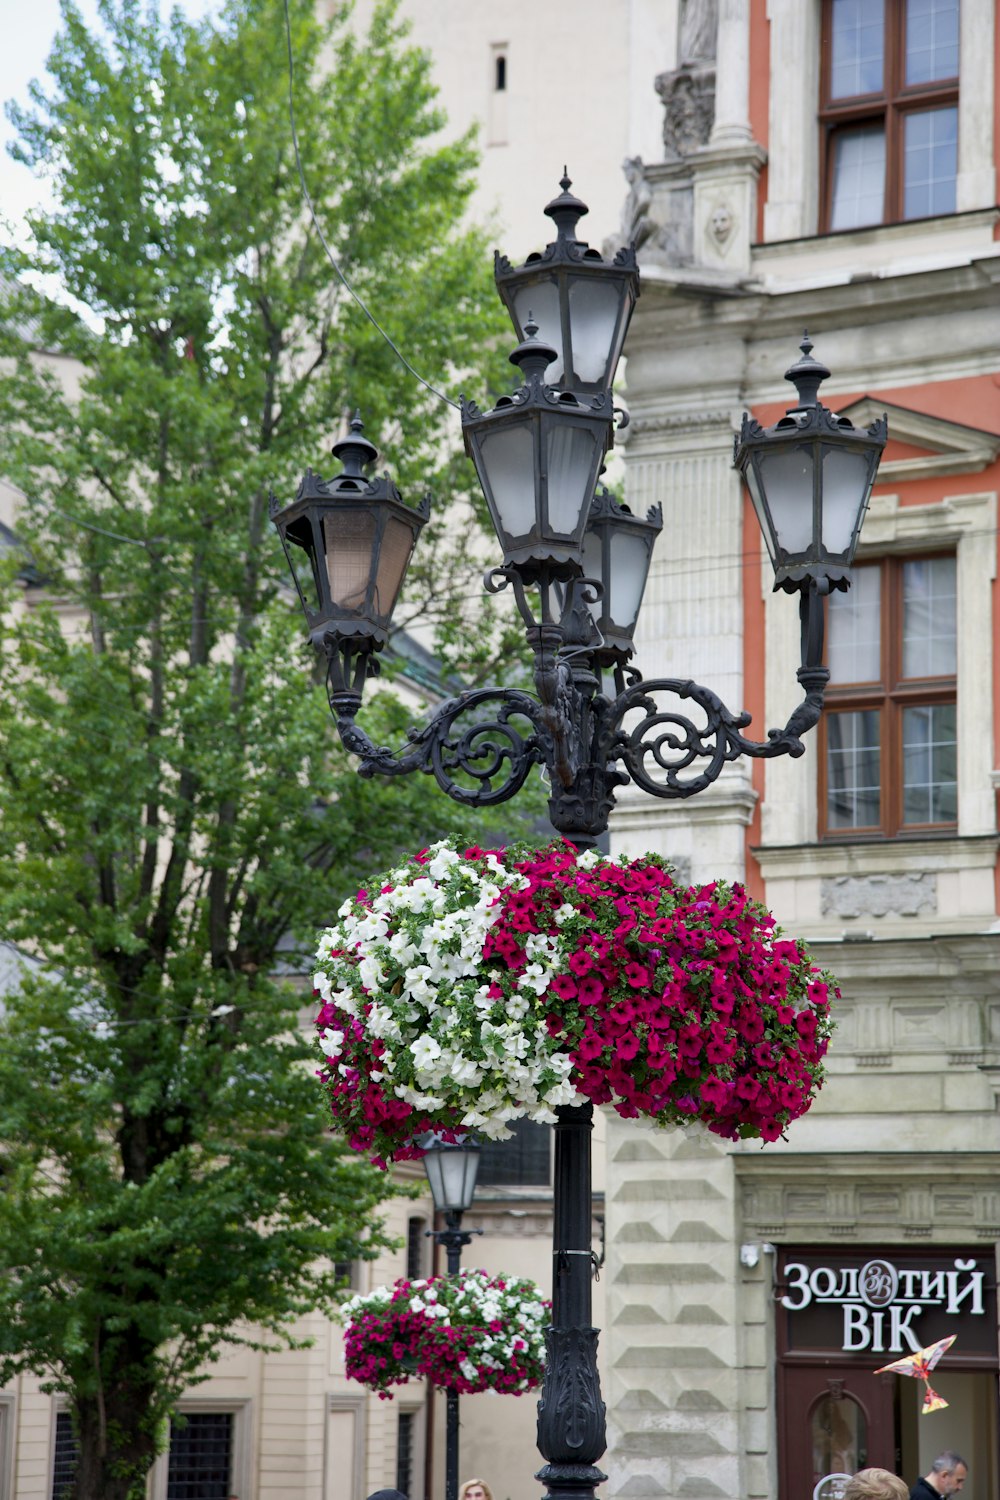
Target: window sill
x,y
886,888
877,251
945,850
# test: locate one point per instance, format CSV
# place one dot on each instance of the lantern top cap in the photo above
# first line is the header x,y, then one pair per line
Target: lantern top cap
x,y
355,452
807,374
566,210
532,355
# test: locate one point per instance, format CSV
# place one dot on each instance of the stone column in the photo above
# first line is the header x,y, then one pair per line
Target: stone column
x,y
732,75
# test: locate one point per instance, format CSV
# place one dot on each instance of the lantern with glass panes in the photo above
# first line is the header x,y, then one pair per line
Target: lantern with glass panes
x,y
577,569
581,303
810,478
348,542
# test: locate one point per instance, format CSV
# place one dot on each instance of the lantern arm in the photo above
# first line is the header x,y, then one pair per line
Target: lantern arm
x,y
477,758
668,754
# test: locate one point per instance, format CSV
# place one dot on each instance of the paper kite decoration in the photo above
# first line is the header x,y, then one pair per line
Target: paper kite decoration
x,y
920,1365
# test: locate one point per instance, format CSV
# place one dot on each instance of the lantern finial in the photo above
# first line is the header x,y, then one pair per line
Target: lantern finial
x,y
566,210
807,374
533,355
355,452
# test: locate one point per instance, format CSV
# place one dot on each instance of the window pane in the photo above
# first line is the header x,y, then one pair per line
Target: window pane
x,y
404,1451
930,780
857,42
858,177
839,1432
520,1162
931,40
854,627
929,623
930,162
199,1467
65,1458
852,769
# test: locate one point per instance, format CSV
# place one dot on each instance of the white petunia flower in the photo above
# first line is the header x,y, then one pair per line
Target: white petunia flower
x,y
424,1051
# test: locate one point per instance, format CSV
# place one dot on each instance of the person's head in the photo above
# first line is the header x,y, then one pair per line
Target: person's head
x,y
475,1489
387,1495
949,1472
875,1484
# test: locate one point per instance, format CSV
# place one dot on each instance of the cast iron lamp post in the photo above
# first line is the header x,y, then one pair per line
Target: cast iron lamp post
x,y
452,1168
577,566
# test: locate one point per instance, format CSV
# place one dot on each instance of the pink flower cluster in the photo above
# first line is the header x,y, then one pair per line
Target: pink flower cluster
x,y
676,1003
467,1333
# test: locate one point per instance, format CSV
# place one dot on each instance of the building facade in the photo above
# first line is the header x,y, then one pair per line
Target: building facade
x,y
843,179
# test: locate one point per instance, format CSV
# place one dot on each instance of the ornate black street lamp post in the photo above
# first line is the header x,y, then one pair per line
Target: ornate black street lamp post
x,y
577,563
451,1167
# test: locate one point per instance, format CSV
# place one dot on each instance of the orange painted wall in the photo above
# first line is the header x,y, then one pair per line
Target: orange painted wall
x,y
973,401
760,88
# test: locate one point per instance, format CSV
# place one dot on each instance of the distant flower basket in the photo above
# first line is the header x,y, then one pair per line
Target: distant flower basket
x,y
467,1333
468,989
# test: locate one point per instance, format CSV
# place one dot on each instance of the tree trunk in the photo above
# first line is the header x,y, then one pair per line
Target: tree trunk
x,y
116,1447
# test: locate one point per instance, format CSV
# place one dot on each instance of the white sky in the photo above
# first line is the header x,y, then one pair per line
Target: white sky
x,y
22,58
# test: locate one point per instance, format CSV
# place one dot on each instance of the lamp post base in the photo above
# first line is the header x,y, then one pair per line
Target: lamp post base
x,y
570,1481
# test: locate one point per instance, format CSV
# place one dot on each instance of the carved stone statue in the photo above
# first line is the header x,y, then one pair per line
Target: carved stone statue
x,y
699,24
636,225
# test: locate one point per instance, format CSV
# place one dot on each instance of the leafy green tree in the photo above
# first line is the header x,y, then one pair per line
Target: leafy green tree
x,y
172,801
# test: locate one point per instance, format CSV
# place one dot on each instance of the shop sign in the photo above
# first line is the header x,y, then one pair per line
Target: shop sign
x,y
882,1303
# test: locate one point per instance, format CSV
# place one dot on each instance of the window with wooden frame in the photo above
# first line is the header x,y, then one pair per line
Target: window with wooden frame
x,y
888,743
889,110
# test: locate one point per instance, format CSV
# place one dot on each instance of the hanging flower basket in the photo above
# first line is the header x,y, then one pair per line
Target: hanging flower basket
x,y
467,1333
468,989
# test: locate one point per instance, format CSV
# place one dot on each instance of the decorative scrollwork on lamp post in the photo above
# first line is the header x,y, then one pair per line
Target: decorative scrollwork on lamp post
x,y
576,562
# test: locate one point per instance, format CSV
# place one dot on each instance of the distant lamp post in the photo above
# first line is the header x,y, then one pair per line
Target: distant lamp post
x,y
577,567
452,1168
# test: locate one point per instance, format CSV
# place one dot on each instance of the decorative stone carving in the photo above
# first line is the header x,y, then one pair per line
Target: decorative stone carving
x,y
688,95
879,895
721,224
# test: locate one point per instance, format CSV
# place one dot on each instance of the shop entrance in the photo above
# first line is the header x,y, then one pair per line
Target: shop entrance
x,y
832,1419
838,1319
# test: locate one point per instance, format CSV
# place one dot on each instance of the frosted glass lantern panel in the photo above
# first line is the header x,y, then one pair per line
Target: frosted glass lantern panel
x,y
394,558
593,319
845,490
763,521
538,302
508,473
572,475
786,479
348,539
629,566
